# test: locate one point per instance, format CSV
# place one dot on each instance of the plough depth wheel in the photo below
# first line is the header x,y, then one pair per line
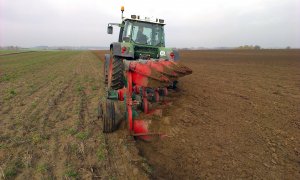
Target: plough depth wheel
x,y
109,117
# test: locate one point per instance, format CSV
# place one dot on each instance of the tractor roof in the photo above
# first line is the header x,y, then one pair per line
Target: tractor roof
x,y
146,19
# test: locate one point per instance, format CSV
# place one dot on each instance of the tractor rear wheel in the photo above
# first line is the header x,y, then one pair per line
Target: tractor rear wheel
x,y
117,76
117,68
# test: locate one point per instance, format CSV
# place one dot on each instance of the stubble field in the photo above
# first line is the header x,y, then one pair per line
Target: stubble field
x,y
236,116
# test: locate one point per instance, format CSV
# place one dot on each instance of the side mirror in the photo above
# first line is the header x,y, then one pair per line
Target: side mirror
x,y
109,29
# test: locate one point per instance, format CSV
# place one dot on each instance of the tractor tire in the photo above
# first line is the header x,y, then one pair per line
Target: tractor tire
x,y
110,123
117,79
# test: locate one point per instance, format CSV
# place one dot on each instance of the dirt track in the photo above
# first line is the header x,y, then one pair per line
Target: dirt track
x,y
236,116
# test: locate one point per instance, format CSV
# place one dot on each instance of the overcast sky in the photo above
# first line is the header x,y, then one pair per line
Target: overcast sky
x,y
190,23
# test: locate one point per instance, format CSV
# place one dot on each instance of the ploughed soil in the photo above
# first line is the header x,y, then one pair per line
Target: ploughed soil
x,y
236,116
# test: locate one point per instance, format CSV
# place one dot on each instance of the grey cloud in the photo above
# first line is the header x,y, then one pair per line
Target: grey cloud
x,y
190,23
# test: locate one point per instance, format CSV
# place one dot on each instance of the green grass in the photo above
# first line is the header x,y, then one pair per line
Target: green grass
x,y
42,168
82,135
5,77
41,87
4,51
33,104
10,94
3,146
36,138
100,152
79,88
101,149
71,172
73,148
13,168
32,88
70,131
15,66
10,172
94,88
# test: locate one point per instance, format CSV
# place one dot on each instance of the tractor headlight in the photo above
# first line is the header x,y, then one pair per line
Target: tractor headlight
x,y
162,53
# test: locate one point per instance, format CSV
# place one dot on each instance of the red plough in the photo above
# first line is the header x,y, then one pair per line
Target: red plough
x,y
146,81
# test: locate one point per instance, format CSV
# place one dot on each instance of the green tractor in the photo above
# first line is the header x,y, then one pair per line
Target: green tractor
x,y
137,71
141,39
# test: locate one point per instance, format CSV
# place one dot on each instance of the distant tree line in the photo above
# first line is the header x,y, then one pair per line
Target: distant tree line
x,y
10,47
256,47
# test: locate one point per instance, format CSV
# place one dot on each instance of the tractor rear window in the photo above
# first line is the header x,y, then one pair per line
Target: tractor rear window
x,y
147,33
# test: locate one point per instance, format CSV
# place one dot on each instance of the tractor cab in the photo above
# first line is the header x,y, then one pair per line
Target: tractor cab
x,y
140,38
142,32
